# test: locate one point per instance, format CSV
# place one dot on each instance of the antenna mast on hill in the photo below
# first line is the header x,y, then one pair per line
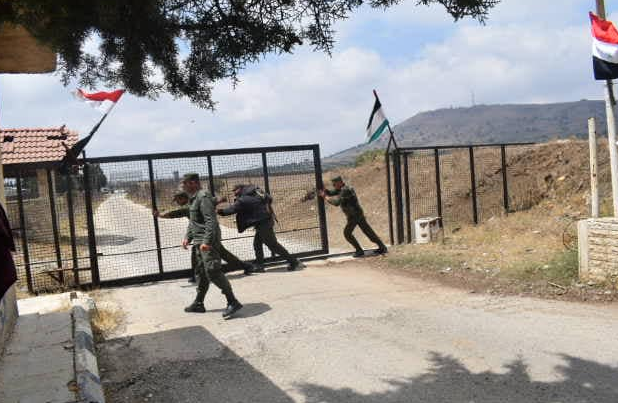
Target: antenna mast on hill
x,y
473,102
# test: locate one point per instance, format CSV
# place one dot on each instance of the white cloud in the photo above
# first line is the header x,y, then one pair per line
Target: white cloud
x,y
526,53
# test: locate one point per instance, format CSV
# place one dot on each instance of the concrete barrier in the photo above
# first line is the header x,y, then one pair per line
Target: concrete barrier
x,y
598,249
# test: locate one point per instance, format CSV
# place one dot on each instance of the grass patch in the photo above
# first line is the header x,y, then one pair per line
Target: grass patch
x,y
563,268
105,321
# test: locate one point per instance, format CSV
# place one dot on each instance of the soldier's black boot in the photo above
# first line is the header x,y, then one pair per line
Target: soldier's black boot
x,y
192,279
295,265
196,307
359,253
381,249
251,268
232,308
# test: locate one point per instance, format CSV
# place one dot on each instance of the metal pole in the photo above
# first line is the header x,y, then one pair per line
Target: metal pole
x,y
211,177
69,179
54,222
153,202
438,185
505,185
406,179
475,214
594,188
265,172
319,184
398,197
611,125
92,242
24,235
389,197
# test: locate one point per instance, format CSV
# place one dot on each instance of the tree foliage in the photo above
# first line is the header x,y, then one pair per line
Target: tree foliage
x,y
184,46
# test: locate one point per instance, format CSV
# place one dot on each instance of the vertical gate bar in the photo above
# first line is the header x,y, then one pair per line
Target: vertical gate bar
x,y
54,222
389,197
406,178
319,184
211,176
438,186
24,236
92,242
475,216
155,219
505,186
69,179
398,197
265,173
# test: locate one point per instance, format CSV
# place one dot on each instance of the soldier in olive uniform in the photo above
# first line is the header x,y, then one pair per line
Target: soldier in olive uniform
x,y
233,262
253,209
345,196
204,231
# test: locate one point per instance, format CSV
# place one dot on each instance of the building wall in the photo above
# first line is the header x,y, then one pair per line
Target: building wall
x,y
598,249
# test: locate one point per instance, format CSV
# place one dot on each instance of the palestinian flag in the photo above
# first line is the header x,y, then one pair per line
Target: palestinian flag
x,y
102,101
377,122
604,48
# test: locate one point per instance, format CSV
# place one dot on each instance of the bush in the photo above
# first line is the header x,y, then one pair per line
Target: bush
x,y
368,157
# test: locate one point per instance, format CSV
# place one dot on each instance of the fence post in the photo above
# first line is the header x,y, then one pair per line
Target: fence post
x,y
24,236
505,185
398,196
71,210
594,188
406,178
475,215
319,184
92,242
153,203
211,177
389,197
438,186
265,173
54,222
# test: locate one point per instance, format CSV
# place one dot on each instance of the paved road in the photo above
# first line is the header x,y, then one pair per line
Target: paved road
x,y
347,332
123,227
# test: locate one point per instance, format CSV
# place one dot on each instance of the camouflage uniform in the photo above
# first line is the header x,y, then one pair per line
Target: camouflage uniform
x,y
348,201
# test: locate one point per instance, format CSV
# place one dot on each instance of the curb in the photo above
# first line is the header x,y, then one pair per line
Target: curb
x,y
89,388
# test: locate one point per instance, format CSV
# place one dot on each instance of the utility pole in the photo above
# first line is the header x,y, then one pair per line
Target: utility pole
x,y
610,102
594,187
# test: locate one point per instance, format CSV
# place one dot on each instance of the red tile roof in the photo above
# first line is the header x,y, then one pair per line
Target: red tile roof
x,y
22,146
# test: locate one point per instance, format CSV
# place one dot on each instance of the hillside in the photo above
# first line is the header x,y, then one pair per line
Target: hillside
x,y
488,124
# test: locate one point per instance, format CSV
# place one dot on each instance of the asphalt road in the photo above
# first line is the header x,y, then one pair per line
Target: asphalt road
x,y
347,332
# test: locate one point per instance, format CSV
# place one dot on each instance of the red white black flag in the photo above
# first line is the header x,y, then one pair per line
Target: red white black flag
x,y
604,48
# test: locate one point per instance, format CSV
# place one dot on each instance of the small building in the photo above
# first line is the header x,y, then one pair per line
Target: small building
x,y
31,154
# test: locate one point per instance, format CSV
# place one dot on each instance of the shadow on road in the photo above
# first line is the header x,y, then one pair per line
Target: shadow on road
x,y
450,381
182,365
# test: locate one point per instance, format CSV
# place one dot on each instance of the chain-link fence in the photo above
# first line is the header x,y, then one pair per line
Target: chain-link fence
x,y
459,184
97,225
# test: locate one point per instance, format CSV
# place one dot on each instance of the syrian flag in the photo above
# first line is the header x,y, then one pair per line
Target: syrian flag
x,y
604,48
377,122
102,101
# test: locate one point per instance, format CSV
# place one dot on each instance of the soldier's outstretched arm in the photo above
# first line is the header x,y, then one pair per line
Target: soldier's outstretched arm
x,y
231,209
178,213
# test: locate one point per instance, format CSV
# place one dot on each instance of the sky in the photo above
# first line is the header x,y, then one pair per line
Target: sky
x,y
416,57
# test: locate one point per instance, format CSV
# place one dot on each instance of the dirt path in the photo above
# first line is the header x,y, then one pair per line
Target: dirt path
x,y
351,333
125,229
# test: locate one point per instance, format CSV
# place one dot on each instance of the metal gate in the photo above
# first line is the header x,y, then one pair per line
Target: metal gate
x,y
96,227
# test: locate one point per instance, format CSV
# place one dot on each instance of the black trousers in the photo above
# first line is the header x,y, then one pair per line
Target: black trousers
x,y
265,235
362,223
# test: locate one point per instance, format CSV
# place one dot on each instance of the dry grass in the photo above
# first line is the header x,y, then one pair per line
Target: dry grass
x,y
105,320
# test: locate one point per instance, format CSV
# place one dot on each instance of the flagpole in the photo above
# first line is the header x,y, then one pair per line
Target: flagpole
x,y
610,102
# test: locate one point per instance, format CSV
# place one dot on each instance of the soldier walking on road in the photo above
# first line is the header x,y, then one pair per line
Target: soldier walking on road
x,y
233,262
204,231
253,209
345,196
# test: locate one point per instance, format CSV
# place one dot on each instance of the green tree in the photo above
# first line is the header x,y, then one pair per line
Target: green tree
x,y
139,38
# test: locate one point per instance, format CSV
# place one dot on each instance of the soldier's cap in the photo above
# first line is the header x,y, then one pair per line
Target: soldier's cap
x,y
192,176
336,179
180,195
